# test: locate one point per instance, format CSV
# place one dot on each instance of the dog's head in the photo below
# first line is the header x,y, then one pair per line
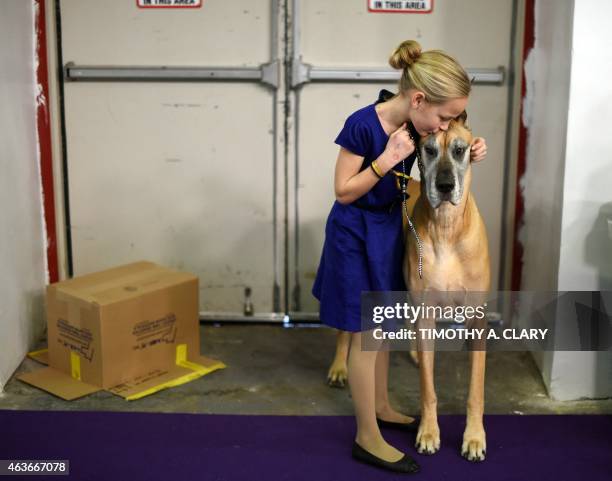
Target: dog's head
x,y
445,161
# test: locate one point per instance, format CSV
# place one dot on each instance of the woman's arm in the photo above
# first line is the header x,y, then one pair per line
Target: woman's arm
x,y
350,184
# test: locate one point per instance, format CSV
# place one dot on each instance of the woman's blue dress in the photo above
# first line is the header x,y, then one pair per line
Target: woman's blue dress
x,y
363,249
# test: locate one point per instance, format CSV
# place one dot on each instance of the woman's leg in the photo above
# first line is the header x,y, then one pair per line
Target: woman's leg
x,y
383,408
361,372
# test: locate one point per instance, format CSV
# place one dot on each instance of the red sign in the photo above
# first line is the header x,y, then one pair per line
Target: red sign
x,y
400,6
169,3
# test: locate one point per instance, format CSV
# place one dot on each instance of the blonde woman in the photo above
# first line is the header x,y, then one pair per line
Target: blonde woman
x,y
363,246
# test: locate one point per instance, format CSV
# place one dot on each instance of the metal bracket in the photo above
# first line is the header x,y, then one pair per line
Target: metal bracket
x,y
268,73
302,73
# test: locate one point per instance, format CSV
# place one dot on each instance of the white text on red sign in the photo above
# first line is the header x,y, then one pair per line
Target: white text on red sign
x,y
400,6
169,3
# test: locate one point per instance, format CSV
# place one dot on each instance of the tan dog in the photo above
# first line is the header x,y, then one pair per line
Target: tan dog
x,y
455,257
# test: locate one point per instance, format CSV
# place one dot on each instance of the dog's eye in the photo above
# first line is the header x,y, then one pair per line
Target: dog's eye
x,y
430,151
459,151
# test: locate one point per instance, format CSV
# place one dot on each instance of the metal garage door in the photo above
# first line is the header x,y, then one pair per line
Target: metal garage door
x,y
190,142
341,40
175,162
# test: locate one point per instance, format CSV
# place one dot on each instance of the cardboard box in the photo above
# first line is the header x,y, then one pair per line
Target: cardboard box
x,y
132,330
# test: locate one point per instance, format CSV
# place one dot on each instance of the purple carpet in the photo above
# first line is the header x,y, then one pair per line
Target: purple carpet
x,y
144,446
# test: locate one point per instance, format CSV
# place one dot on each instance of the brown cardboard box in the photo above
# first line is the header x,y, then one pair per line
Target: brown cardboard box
x,y
132,330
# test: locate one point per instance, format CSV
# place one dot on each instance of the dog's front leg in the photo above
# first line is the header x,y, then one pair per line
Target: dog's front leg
x,y
428,436
474,439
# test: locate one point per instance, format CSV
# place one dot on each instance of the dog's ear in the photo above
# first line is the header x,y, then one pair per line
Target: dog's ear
x,y
462,119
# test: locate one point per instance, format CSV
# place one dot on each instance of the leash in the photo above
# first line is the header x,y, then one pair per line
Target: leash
x,y
403,179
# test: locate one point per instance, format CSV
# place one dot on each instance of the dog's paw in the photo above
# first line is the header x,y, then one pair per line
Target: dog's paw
x,y
428,438
474,446
338,374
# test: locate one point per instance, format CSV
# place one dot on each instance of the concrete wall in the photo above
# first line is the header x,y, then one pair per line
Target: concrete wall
x,y
568,179
545,106
22,246
585,260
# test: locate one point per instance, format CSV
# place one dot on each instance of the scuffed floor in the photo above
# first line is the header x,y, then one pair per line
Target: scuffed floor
x,y
277,370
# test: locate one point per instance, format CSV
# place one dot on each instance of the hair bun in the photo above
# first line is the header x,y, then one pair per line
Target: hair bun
x,y
405,54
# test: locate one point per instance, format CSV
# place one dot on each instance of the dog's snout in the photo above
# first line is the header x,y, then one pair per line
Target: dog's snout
x,y
445,181
445,187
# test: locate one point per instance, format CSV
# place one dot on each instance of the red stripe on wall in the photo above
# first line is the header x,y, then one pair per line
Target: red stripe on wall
x,y
519,208
44,140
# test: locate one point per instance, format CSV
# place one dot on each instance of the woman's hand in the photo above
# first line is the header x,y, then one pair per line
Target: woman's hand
x,y
479,149
399,146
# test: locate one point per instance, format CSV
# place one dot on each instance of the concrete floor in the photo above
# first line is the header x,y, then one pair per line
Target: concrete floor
x,y
276,370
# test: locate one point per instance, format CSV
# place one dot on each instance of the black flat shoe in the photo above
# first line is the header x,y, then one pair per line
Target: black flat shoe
x,y
411,427
404,465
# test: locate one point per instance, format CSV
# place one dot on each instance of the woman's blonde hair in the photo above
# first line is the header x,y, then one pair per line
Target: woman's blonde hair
x,y
435,73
